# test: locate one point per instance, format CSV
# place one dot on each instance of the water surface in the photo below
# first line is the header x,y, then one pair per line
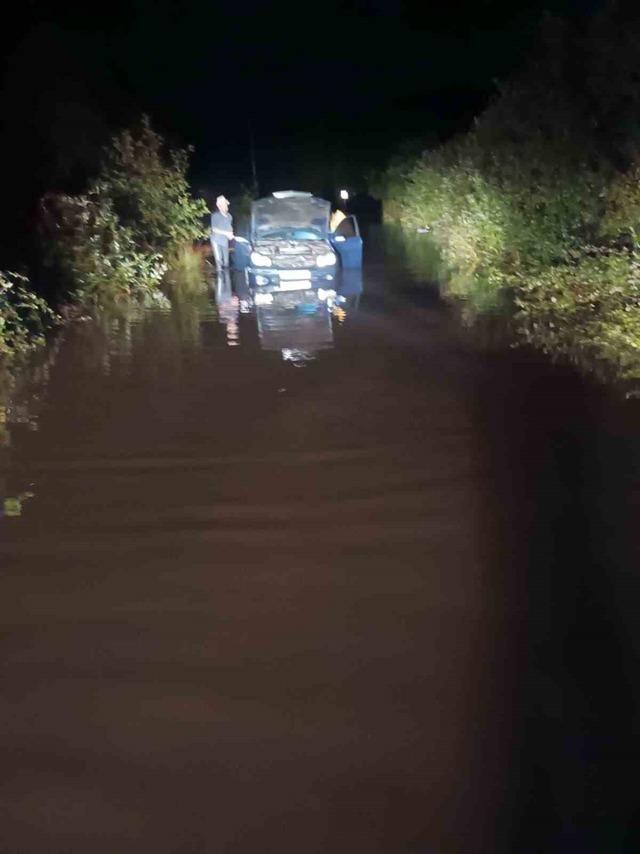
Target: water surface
x,y
299,581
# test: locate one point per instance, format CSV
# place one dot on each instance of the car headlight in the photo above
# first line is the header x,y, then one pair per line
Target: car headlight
x,y
263,299
326,260
260,260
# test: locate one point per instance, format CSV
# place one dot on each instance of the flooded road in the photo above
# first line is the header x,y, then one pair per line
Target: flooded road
x,y
298,581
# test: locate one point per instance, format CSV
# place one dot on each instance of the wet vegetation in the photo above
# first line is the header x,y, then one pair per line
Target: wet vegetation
x,y
24,316
23,384
122,246
541,198
117,241
107,341
114,243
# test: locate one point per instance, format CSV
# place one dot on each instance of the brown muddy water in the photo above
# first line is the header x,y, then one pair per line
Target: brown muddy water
x,y
286,581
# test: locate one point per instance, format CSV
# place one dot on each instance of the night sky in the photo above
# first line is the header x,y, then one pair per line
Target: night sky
x,y
331,87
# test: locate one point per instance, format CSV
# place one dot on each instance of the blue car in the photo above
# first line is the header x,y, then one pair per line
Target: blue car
x,y
290,245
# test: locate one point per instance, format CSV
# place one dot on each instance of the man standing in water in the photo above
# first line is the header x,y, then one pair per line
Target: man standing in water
x,y
221,232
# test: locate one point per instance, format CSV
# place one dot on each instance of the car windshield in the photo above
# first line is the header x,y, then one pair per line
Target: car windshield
x,y
289,233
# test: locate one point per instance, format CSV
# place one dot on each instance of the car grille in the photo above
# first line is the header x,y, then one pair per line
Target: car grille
x,y
294,262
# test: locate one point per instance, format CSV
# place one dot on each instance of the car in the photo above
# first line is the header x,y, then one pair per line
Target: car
x,y
290,246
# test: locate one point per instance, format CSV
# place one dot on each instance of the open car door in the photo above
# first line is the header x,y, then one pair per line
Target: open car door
x,y
347,243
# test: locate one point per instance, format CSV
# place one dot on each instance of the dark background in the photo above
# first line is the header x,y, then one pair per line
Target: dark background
x,y
328,90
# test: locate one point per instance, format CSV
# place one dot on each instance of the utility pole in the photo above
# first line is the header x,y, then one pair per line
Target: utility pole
x,y
252,153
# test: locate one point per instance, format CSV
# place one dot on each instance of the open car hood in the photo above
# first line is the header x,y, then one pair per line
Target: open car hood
x,y
289,209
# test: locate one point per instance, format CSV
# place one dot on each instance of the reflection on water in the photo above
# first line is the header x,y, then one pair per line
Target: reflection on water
x,y
22,396
418,253
297,323
107,346
404,577
483,312
228,304
591,327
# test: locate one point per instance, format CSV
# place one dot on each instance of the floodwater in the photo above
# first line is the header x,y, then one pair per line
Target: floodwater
x,y
286,579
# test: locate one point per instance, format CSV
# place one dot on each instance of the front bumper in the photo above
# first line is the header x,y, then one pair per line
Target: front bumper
x,y
270,279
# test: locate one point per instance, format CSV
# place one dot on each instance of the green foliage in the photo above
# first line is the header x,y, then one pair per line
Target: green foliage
x,y
100,255
496,212
622,210
24,316
421,254
587,310
116,242
542,196
149,191
186,272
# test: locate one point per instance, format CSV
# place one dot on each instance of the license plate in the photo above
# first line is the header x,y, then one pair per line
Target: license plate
x,y
291,275
301,285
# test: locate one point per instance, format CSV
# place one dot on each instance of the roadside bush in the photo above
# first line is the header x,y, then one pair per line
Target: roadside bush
x,y
541,198
116,241
496,213
24,316
148,189
621,218
99,255
587,310
445,191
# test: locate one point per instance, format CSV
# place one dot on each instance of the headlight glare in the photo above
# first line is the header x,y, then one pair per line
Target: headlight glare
x,y
328,259
260,260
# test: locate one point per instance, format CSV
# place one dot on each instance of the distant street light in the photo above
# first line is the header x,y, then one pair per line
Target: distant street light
x,y
344,195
